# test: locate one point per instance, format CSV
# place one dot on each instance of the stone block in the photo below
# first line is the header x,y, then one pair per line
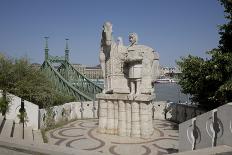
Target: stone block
x,y
186,138
42,118
88,109
205,135
122,118
116,116
224,135
159,110
128,119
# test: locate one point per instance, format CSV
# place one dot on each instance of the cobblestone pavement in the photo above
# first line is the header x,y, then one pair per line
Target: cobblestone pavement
x,y
83,135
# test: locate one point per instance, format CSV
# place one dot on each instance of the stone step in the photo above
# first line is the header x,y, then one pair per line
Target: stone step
x,y
28,134
1,119
1,122
18,131
218,150
7,128
37,136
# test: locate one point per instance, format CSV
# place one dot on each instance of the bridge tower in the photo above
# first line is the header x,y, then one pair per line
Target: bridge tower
x,y
66,78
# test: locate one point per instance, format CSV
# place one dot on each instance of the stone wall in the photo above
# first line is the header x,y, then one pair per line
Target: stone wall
x,y
70,111
32,111
210,129
174,112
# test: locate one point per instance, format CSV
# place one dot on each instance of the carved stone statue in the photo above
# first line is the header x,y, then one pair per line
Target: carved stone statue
x,y
111,55
133,61
141,62
125,106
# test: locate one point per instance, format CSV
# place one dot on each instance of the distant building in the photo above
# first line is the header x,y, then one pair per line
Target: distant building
x,y
169,71
80,68
94,72
90,72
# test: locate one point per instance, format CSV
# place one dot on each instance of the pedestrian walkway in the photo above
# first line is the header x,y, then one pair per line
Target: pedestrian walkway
x,y
83,135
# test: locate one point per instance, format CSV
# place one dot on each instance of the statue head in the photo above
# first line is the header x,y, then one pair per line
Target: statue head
x,y
107,33
133,38
119,41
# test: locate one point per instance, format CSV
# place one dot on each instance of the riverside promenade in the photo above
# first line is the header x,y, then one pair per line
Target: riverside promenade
x,y
83,135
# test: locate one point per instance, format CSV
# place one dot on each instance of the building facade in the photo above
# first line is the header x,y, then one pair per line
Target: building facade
x,y
90,72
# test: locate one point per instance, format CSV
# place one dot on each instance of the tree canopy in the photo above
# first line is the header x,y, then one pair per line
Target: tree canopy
x,y
18,77
210,81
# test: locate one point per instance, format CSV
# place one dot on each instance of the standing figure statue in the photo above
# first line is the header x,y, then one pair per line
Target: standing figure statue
x,y
141,64
133,62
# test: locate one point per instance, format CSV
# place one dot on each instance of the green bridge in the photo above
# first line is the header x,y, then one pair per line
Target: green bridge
x,y
66,78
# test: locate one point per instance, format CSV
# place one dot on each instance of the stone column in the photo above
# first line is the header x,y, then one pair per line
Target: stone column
x,y
102,116
150,123
116,117
110,117
128,119
135,121
144,120
121,119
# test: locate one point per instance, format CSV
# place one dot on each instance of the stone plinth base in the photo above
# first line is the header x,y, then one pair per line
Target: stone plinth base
x,y
125,115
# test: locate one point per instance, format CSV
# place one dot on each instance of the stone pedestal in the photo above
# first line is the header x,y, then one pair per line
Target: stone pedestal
x,y
125,115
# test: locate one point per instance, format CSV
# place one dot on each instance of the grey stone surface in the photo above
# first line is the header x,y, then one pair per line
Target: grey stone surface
x,y
134,115
187,140
224,114
218,150
18,131
84,136
204,123
128,74
212,129
6,130
10,146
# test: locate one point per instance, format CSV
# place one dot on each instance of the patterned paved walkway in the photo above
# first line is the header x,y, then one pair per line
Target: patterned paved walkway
x,y
82,134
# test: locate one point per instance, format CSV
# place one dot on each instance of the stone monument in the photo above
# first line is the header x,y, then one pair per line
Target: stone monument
x,y
125,106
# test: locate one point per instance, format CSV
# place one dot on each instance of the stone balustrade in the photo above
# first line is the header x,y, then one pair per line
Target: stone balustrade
x,y
175,112
70,111
210,129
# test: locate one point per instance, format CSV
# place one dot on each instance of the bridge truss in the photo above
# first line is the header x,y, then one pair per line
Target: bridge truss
x,y
66,78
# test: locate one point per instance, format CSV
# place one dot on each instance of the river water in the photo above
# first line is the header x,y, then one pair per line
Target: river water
x,y
170,92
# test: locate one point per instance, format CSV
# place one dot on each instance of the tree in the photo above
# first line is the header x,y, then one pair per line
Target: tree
x,y
21,79
210,81
6,81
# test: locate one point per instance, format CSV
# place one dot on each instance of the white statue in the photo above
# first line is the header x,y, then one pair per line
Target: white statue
x,y
127,69
128,94
111,55
133,62
141,61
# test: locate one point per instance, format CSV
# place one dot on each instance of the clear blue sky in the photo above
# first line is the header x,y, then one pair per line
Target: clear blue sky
x,y
173,28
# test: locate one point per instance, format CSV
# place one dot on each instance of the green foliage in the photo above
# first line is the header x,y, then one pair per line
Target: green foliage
x,y
21,79
4,104
6,74
23,117
210,81
49,121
